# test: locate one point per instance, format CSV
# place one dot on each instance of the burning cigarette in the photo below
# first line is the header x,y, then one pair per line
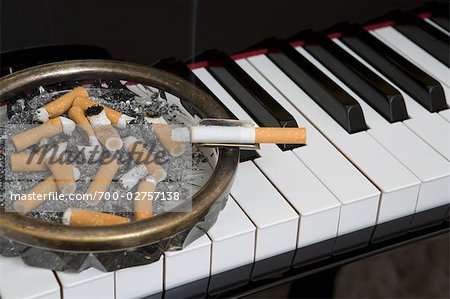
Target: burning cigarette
x,y
49,129
39,193
22,162
101,182
80,217
133,176
76,113
239,135
105,133
163,132
64,175
143,203
117,118
142,156
60,105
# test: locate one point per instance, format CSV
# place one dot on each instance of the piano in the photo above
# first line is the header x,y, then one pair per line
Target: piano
x,y
374,175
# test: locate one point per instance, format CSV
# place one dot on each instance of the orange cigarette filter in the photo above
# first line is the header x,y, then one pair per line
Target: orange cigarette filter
x,y
163,132
141,155
21,162
32,136
101,182
143,204
63,174
44,189
81,217
84,103
60,105
280,135
76,113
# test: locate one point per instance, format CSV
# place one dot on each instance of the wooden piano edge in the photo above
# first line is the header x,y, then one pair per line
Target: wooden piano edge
x,y
335,261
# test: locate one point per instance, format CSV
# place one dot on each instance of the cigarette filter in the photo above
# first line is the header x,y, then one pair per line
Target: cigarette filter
x,y
163,132
44,189
24,162
63,174
143,204
133,176
101,182
76,113
49,129
239,135
105,133
117,118
80,217
60,105
141,155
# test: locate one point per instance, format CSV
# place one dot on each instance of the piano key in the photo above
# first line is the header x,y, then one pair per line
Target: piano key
x,y
435,31
18,280
140,281
357,194
318,208
437,12
422,87
429,126
380,94
399,186
445,114
190,264
414,53
436,25
441,21
431,168
328,95
233,239
90,283
427,37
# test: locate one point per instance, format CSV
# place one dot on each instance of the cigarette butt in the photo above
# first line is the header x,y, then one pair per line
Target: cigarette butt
x,y
141,155
101,181
81,217
44,189
133,176
143,204
117,118
280,135
60,105
49,129
63,174
22,162
76,113
163,132
106,134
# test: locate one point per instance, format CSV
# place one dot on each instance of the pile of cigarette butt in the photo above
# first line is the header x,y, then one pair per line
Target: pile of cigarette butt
x,y
100,125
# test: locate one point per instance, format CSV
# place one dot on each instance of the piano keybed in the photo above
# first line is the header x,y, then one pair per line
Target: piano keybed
x,y
375,101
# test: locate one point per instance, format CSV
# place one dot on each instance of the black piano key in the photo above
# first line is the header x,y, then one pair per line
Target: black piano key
x,y
430,29
378,93
261,107
438,12
180,69
344,109
416,31
419,85
441,21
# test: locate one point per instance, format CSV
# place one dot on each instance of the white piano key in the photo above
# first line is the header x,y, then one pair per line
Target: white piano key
x,y
233,239
432,128
140,281
445,114
318,208
430,167
20,281
274,218
187,265
398,185
90,283
359,197
414,53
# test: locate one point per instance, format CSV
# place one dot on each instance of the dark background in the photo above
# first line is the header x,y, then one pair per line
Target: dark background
x,y
144,31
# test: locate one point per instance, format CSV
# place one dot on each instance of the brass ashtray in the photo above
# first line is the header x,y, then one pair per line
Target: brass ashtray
x,y
74,248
